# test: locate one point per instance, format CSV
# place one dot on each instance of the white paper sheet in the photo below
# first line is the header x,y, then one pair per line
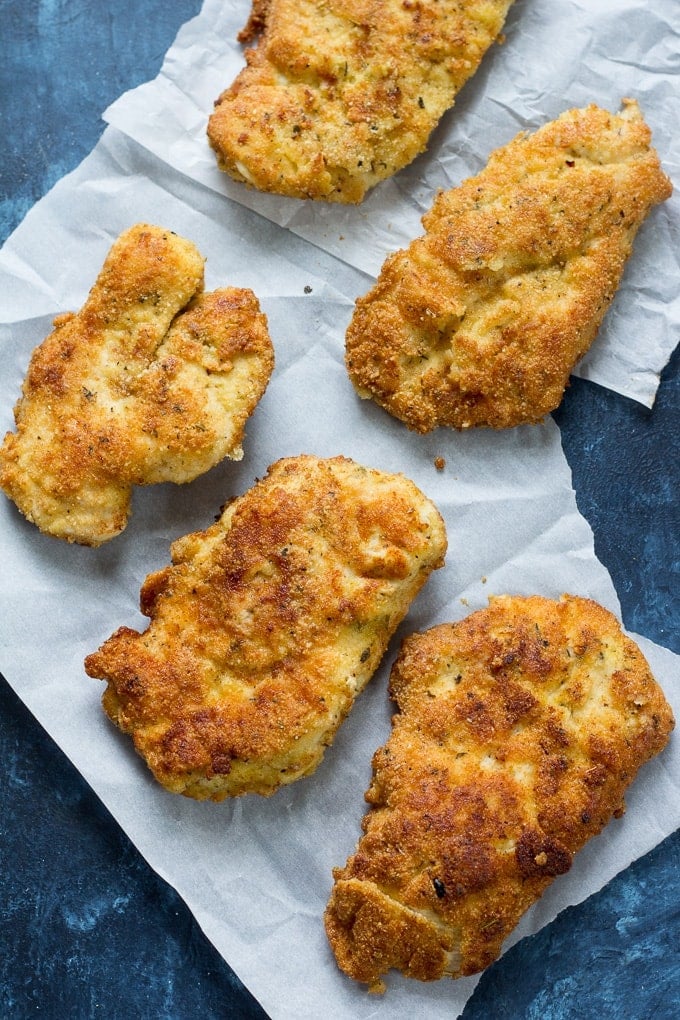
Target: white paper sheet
x,y
256,873
555,56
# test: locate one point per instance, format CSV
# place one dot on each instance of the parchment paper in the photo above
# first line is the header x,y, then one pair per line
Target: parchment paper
x,y
555,56
256,873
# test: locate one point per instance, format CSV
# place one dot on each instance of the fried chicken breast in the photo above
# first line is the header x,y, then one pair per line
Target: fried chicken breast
x,y
517,733
267,626
481,320
340,94
152,381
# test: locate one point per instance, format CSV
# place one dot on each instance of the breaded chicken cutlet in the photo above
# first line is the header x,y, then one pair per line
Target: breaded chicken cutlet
x,y
481,320
267,626
341,94
152,381
517,733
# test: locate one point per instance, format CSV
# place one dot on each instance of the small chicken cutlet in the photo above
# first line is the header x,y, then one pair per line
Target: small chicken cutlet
x,y
517,733
152,381
481,320
267,626
337,95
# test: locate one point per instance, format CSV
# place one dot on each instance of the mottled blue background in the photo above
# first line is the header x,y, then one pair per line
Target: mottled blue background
x,y
86,928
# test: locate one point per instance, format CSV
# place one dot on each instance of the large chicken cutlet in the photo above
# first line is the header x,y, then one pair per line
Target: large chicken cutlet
x,y
340,94
517,733
152,381
267,626
481,320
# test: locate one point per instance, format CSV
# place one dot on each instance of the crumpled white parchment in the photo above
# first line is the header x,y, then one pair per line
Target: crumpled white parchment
x,y
256,873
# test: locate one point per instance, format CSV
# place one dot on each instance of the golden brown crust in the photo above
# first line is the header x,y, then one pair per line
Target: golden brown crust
x,y
256,23
481,320
340,94
518,731
152,381
267,626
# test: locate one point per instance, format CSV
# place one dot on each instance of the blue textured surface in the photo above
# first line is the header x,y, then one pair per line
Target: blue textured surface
x,y
86,928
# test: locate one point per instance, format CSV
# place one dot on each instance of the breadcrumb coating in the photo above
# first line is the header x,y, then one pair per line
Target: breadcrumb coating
x,y
267,626
517,733
480,321
337,95
152,381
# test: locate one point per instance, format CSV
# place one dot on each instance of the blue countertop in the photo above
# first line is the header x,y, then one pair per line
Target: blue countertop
x,y
86,928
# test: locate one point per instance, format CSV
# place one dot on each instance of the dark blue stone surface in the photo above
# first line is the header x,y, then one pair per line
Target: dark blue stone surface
x,y
86,928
